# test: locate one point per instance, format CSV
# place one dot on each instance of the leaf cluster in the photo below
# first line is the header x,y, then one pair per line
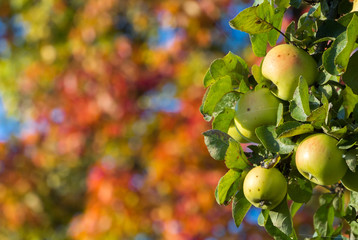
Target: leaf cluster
x,y
329,32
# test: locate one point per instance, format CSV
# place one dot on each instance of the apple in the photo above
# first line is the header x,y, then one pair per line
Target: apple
x,y
255,109
320,160
350,180
284,64
234,133
265,188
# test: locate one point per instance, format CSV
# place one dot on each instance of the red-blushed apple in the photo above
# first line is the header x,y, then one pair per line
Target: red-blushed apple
x,y
320,160
284,64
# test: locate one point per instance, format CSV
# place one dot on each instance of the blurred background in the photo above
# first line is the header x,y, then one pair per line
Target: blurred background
x,y
100,129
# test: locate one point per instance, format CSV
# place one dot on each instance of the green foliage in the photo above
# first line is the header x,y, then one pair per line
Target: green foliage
x,y
235,157
299,105
336,58
270,140
329,33
351,75
240,206
351,159
299,190
227,187
261,22
324,216
217,143
292,128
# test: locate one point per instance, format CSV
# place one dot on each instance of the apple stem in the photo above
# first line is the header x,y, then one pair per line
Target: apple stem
x,y
310,176
278,30
284,35
264,202
270,163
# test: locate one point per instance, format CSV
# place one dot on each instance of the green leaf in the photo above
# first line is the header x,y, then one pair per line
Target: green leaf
x,y
351,75
293,128
315,11
323,218
337,132
335,58
256,72
290,30
258,154
279,115
281,217
276,21
326,199
319,116
351,159
230,65
348,141
299,190
325,39
346,19
295,3
252,19
323,77
295,207
338,206
314,103
235,157
259,44
271,228
344,7
327,91
214,93
272,17
217,143
268,137
299,105
261,219
243,87
208,79
354,203
350,214
217,70
330,28
223,120
349,100
240,206
236,68
327,6
228,101
354,200
305,28
338,231
227,187
282,3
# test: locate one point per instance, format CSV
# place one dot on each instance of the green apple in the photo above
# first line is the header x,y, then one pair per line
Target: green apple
x,y
254,109
350,180
320,160
265,188
284,64
234,133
